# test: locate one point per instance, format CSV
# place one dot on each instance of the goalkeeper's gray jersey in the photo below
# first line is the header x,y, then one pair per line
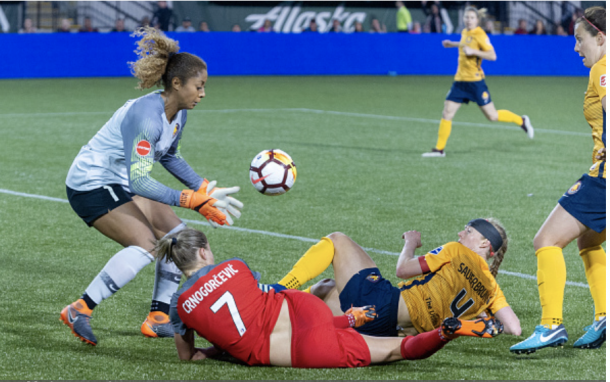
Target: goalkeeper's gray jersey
x,y
124,150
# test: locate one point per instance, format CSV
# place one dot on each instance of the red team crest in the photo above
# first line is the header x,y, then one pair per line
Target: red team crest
x,y
143,148
602,80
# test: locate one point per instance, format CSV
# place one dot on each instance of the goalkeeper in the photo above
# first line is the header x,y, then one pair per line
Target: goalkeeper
x,y
110,186
453,280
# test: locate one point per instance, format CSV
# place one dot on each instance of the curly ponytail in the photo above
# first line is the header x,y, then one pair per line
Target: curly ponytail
x,y
499,255
160,61
181,248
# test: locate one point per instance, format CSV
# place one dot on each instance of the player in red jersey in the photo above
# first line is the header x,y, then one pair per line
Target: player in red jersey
x,y
224,304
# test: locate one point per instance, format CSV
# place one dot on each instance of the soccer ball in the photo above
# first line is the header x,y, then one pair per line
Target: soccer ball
x,y
272,172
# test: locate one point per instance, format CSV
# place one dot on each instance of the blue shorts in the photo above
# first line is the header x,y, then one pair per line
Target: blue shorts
x,y
464,92
368,287
91,205
586,201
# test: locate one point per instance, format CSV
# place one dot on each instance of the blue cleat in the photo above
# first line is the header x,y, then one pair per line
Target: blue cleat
x,y
594,337
543,337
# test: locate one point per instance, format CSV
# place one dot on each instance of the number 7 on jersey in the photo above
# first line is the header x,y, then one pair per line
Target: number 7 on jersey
x,y
227,298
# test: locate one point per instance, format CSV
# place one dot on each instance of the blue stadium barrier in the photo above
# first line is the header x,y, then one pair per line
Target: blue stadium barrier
x,y
106,55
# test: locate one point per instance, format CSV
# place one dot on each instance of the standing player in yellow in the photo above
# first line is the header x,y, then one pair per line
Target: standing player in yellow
x,y
581,211
469,84
454,280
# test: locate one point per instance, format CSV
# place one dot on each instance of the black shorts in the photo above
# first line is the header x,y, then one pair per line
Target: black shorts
x,y
91,205
368,287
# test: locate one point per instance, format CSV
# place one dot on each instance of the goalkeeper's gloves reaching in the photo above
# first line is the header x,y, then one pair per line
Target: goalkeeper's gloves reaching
x,y
206,206
360,316
225,202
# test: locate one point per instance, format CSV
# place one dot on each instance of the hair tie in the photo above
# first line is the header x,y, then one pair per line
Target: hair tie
x,y
174,241
590,23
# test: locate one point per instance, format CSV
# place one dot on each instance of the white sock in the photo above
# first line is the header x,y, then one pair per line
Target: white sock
x,y
117,272
167,279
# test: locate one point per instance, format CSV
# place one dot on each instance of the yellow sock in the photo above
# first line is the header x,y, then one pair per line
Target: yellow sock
x,y
509,116
595,268
551,284
444,130
310,265
308,290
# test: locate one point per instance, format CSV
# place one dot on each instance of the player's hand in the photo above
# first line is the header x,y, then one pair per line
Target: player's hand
x,y
225,202
362,315
601,154
203,353
412,237
447,43
205,205
469,51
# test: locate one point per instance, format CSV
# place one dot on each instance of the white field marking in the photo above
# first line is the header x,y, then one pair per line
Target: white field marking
x,y
280,235
314,111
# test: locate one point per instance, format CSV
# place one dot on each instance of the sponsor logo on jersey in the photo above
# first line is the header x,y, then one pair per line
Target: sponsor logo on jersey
x,y
602,80
575,188
176,129
436,251
373,278
143,148
211,285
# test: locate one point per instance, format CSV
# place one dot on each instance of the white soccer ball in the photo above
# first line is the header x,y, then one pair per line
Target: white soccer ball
x,y
272,172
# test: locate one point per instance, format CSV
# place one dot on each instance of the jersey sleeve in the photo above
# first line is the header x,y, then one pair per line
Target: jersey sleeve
x,y
499,301
484,42
140,134
178,167
440,256
598,79
178,325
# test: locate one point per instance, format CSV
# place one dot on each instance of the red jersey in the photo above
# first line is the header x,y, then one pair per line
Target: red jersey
x,y
223,304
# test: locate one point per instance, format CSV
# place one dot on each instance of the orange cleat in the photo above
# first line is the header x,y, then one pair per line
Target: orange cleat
x,y
157,324
77,316
483,327
360,316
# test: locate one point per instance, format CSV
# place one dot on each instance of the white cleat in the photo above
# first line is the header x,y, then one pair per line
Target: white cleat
x,y
527,126
435,153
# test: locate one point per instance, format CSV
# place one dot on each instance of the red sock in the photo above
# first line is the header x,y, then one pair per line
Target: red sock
x,y
342,322
422,345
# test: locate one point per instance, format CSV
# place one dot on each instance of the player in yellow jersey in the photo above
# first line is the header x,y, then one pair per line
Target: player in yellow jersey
x,y
469,84
581,212
454,281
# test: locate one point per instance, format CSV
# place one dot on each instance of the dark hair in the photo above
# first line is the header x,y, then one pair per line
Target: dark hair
x,y
595,16
160,61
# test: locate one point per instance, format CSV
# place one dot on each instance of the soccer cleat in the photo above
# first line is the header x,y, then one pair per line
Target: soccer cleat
x,y
594,337
542,337
77,316
483,327
434,153
527,126
360,316
157,324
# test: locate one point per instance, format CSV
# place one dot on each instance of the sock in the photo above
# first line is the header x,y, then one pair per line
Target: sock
x,y
342,322
117,272
88,301
422,345
595,268
310,265
167,280
551,284
444,130
509,116
308,290
82,306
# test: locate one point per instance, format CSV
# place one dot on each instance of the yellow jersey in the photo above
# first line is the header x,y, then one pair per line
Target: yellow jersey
x,y
595,114
458,284
469,67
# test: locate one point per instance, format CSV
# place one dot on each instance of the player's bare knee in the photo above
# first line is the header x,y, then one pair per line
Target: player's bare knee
x,y
322,288
339,239
492,117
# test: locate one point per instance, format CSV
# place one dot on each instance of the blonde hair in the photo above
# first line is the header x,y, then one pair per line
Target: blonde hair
x,y
481,13
499,254
160,62
181,248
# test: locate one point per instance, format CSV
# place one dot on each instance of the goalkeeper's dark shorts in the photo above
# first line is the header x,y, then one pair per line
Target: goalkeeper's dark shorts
x,y
91,205
368,287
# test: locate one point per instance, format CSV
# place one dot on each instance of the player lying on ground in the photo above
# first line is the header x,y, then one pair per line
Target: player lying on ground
x,y
454,280
110,186
224,304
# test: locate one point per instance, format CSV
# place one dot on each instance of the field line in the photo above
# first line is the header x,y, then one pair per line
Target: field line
x,y
280,235
316,111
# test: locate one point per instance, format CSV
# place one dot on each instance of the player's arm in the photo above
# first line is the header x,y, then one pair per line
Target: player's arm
x,y
185,344
450,44
175,164
510,321
489,55
408,266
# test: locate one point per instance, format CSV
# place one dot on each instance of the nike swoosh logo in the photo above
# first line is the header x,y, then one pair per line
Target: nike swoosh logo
x,y
543,338
600,324
259,179
70,318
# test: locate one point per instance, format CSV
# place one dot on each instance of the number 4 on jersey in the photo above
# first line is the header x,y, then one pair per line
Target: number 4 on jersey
x,y
227,298
459,310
